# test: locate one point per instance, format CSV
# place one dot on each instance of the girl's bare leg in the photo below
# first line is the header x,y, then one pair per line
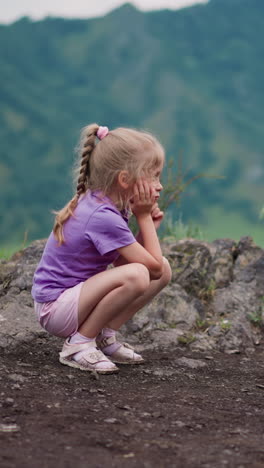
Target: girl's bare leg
x,y
154,288
107,294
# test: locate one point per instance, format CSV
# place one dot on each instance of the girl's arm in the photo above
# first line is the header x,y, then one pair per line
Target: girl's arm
x,y
149,253
157,217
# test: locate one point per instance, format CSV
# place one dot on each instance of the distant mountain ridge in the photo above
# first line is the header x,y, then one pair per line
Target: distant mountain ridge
x,y
192,76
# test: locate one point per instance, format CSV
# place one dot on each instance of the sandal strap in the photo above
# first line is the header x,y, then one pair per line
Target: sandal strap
x,y
75,348
126,345
94,357
107,341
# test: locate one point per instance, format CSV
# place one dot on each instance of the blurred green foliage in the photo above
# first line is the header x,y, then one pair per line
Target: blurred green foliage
x,y
194,77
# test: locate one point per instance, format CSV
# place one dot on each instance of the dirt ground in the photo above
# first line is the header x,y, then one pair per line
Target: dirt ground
x,y
163,413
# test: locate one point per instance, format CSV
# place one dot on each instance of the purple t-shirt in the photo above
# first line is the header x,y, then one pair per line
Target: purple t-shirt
x,y
92,235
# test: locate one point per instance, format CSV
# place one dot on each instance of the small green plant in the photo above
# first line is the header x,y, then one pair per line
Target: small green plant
x,y
176,230
225,325
202,325
7,251
206,294
161,326
256,317
172,325
175,183
186,339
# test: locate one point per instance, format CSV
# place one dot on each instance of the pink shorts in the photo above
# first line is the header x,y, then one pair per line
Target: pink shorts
x,y
60,317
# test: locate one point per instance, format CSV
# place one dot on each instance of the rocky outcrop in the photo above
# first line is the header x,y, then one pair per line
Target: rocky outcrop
x,y
215,298
214,301
17,318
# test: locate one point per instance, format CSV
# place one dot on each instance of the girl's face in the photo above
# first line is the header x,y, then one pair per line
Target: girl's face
x,y
154,180
126,188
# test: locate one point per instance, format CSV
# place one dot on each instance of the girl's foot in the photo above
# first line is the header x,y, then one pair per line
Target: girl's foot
x,y
87,357
120,353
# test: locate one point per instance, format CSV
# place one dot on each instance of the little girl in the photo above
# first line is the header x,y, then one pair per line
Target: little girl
x,y
75,295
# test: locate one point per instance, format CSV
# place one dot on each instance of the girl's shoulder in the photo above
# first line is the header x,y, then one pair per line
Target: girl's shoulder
x,y
98,202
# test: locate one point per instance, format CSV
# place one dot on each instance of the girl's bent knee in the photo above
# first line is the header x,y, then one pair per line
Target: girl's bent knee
x,y
139,277
167,273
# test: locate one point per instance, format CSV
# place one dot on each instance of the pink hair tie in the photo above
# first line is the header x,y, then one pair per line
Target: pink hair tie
x,y
102,132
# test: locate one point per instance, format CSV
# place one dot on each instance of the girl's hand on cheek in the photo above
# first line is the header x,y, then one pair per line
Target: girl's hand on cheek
x,y
143,198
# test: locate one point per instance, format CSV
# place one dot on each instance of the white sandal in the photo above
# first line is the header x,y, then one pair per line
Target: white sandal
x,y
92,360
125,354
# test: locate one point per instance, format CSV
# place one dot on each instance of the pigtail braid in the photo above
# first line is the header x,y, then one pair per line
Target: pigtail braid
x,y
86,147
84,171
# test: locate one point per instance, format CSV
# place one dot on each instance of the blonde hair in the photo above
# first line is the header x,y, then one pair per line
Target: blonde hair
x,y
99,164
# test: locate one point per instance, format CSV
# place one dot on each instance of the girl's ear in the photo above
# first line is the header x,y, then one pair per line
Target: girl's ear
x,y
123,179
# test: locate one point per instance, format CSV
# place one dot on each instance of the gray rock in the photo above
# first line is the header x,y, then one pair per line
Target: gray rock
x,y
191,363
253,274
221,268
239,337
17,378
173,307
215,299
245,253
190,261
237,298
203,342
17,317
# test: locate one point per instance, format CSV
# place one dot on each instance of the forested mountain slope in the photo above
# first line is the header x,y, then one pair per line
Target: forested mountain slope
x,y
193,76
